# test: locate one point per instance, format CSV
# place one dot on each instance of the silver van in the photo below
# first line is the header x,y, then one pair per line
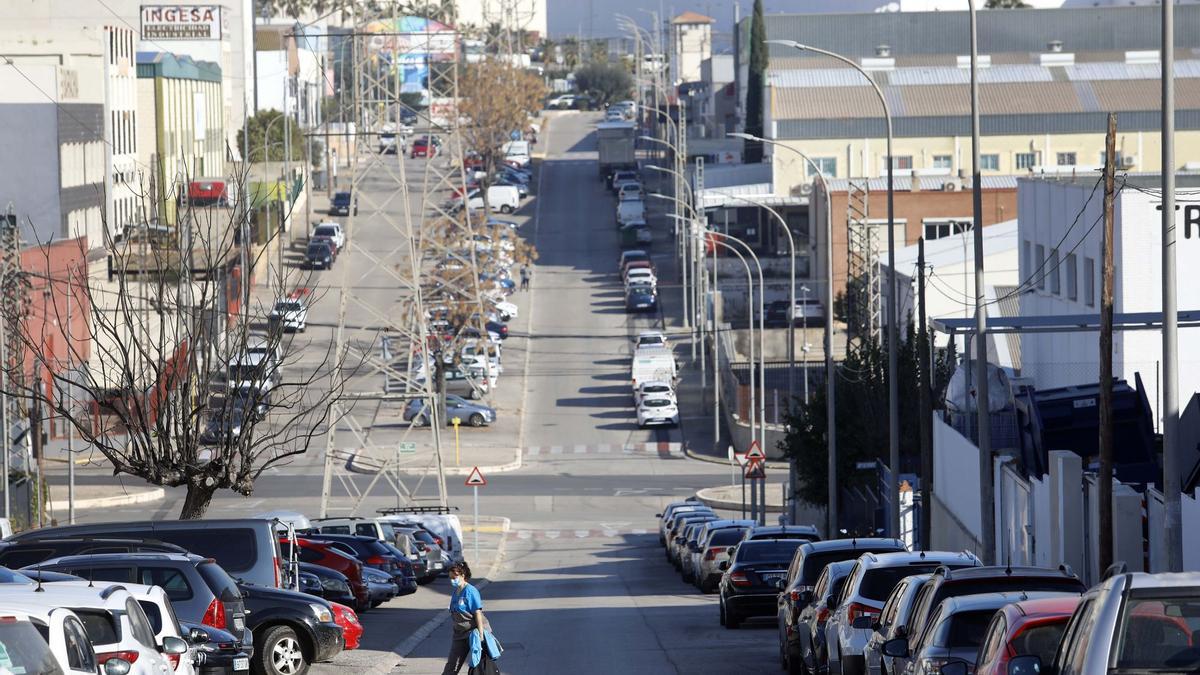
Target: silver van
x,y
246,548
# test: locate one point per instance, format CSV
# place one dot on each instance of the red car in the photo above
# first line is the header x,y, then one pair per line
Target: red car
x,y
423,147
345,617
321,553
1032,627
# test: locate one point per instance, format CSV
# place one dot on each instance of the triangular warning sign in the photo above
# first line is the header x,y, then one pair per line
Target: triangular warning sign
x,y
755,453
476,479
755,470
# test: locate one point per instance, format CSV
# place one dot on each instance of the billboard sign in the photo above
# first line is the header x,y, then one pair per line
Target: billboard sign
x,y
183,22
409,44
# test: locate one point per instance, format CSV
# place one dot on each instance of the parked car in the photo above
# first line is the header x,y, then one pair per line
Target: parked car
x,y
164,627
653,389
426,542
25,552
332,231
372,553
1024,628
893,622
641,299
53,643
334,586
650,338
326,555
199,589
217,652
713,547
629,191
871,582
675,536
445,527
502,198
622,176
955,631
666,518
806,311
802,641
319,255
804,532
289,314
291,630
343,203
657,411
225,426
245,548
347,619
380,586
810,559
947,583
1128,623
471,414
425,146
688,548
753,577
636,233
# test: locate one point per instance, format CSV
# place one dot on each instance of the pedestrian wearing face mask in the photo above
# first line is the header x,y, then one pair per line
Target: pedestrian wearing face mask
x,y
466,615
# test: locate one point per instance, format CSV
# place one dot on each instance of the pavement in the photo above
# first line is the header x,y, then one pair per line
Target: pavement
x,y
729,497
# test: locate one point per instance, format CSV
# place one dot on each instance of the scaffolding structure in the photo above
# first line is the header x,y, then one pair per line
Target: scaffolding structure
x,y
864,284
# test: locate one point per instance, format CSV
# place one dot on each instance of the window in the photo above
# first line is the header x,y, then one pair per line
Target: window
x,y
113,574
943,162
1072,277
1026,258
1089,282
80,655
937,228
171,580
1052,270
993,640
989,162
1039,267
827,165
1067,159
1026,160
365,529
901,162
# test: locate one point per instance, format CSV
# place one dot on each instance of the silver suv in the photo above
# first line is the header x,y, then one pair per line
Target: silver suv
x,y
871,581
1145,623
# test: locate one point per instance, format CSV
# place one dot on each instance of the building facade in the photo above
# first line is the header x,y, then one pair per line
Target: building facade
x,y
691,44
120,63
182,134
291,70
54,102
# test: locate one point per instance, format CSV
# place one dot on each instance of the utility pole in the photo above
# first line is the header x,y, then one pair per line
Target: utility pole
x,y
70,428
926,406
1106,349
35,439
1172,509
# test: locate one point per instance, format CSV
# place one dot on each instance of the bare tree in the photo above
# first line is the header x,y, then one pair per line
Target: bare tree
x,y
175,378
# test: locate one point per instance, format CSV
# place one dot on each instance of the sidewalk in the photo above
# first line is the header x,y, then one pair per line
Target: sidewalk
x,y
729,497
95,497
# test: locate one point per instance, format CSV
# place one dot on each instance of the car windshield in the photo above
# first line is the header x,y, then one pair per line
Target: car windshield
x,y
657,403
325,231
768,551
318,247
655,389
1160,633
287,306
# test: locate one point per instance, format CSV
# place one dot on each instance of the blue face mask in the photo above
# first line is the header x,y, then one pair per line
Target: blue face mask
x,y
456,581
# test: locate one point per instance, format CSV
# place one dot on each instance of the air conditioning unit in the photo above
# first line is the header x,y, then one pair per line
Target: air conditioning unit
x,y
804,189
951,186
1127,161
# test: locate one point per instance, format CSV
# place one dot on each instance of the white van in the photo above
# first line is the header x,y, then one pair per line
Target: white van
x,y
502,198
445,526
652,363
631,211
517,152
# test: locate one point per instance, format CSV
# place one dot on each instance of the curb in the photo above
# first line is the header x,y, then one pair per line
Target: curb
x,y
731,505
402,650
725,462
358,465
109,502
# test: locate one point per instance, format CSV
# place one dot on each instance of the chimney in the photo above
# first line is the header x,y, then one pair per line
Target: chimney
x,y
1054,46
883,51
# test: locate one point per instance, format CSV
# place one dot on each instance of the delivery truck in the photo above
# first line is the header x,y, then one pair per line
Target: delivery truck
x,y
616,147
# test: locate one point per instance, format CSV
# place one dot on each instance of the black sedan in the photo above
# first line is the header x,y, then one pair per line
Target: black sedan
x,y
291,630
641,299
218,652
335,587
753,578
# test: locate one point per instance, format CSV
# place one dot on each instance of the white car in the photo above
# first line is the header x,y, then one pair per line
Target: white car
x,y
640,273
164,623
506,309
115,621
654,389
658,411
650,338
65,638
331,230
289,314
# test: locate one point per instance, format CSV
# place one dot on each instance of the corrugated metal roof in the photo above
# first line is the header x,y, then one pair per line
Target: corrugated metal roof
x,y
990,125
815,77
1014,30
927,183
962,76
1008,304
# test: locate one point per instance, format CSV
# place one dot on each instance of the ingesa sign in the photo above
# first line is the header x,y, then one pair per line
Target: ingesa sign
x,y
182,22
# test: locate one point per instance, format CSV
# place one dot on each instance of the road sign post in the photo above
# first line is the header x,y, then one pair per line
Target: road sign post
x,y
758,491
474,481
738,459
456,421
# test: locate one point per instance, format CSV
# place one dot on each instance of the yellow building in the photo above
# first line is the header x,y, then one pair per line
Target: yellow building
x,y
1040,113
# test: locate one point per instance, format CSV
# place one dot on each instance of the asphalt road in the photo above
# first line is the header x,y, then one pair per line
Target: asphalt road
x,y
585,588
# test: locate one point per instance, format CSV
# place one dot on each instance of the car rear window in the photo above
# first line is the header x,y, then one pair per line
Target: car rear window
x,y
816,561
727,536
768,551
878,583
1040,640
170,579
101,628
954,589
964,630
16,557
219,582
1158,633
375,547
234,548
24,652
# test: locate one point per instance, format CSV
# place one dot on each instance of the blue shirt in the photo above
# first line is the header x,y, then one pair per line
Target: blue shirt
x,y
466,601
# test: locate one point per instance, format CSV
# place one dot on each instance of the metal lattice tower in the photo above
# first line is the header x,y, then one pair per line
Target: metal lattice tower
x,y
14,296
864,290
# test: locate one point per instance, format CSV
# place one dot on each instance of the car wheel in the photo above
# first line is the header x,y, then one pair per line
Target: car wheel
x,y
505,208
281,653
420,421
475,420
732,620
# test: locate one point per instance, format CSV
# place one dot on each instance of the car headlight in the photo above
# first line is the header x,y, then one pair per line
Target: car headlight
x,y
321,612
335,585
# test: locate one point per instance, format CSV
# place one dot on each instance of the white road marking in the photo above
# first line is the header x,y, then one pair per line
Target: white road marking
x,y
580,449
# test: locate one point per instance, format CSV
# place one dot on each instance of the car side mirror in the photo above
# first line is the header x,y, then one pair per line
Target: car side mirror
x,y
173,645
896,648
954,668
862,622
115,666
198,636
1027,664
723,566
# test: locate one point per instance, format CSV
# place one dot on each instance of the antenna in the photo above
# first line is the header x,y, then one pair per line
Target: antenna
x,y
92,577
39,588
1008,564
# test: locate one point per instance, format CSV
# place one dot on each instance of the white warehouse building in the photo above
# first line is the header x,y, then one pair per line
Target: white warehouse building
x,y
1060,227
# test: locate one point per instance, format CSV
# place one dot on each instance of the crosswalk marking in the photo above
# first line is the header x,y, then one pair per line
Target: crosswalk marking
x,y
601,533
665,450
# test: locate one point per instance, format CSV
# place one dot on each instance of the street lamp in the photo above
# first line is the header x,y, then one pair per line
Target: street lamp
x,y
830,381
892,313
